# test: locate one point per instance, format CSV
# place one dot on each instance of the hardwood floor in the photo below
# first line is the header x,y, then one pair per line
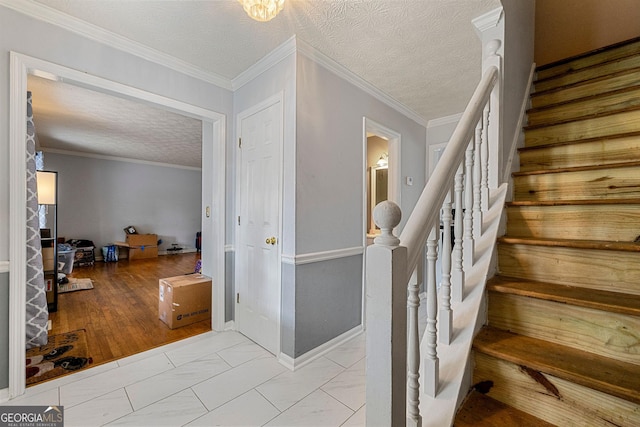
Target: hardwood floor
x,y
121,313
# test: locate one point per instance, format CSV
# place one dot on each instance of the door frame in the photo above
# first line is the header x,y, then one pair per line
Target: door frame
x,y
278,98
213,190
394,139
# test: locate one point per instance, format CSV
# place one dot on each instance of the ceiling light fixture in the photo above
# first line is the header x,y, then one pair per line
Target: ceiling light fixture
x,y
262,10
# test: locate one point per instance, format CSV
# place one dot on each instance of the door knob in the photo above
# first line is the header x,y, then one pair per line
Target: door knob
x,y
270,241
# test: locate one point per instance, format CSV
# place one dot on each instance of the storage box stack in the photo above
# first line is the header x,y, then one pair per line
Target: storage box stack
x,y
184,299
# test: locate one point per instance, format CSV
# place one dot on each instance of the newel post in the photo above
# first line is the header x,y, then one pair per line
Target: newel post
x,y
386,316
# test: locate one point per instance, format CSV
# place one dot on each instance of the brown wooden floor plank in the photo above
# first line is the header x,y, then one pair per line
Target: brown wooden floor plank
x,y
609,376
120,313
614,302
480,410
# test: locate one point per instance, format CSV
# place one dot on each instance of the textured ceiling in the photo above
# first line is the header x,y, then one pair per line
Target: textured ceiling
x,y
423,53
72,118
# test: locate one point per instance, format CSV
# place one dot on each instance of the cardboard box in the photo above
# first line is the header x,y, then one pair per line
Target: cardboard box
x,y
47,259
140,246
136,240
143,252
184,299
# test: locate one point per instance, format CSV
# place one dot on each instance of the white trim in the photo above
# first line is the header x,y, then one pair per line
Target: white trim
x,y
395,162
229,248
117,159
518,134
230,325
446,120
266,63
487,21
93,32
341,71
214,142
297,363
5,266
17,223
312,257
4,395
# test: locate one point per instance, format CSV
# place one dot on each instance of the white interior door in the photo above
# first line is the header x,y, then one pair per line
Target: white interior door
x,y
258,299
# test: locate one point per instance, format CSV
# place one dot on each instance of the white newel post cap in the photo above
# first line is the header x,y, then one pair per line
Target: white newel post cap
x,y
387,216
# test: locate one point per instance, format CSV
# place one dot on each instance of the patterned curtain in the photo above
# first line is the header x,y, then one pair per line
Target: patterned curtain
x,y
37,311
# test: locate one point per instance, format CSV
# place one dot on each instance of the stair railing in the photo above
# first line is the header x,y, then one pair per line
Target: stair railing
x,y
460,180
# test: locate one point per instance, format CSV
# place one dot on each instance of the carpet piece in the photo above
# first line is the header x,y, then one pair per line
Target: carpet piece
x,y
75,285
63,354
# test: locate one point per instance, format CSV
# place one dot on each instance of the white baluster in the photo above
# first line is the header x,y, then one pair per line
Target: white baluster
x,y
431,362
484,183
468,243
413,375
386,314
477,177
446,315
457,275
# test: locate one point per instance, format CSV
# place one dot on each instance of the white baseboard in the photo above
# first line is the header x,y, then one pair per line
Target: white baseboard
x,y
297,363
230,325
4,395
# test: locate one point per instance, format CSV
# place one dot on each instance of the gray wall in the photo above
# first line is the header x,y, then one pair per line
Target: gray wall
x,y
518,56
326,296
98,198
45,41
329,153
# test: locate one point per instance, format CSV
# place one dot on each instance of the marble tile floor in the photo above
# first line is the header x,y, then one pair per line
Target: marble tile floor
x,y
214,379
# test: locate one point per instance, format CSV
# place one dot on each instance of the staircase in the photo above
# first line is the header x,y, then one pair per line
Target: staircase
x,y
562,344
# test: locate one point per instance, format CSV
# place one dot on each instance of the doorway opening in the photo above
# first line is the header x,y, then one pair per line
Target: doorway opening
x,y
212,197
381,180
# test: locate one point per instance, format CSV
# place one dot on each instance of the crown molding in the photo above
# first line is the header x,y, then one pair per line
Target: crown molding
x,y
330,64
116,159
52,16
272,58
487,21
454,118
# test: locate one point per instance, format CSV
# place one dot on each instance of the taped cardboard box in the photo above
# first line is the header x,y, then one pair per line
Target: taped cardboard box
x,y
139,246
184,300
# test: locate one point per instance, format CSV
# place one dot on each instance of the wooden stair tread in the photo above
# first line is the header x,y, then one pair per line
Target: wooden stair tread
x,y
580,141
615,100
579,168
629,71
615,302
633,201
598,66
571,243
584,118
588,54
480,410
600,373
